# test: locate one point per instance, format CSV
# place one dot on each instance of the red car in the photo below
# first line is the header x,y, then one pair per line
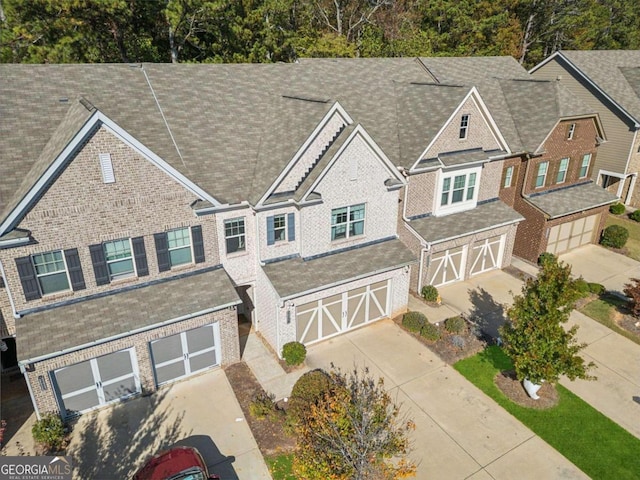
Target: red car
x,y
178,463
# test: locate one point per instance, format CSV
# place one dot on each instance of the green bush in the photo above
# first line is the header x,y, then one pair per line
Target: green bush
x,y
430,332
583,287
309,388
49,431
262,405
617,209
414,321
294,353
546,256
635,216
614,236
596,288
430,293
454,324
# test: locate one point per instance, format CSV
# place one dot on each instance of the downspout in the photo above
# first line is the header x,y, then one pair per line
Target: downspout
x,y
23,370
6,284
632,185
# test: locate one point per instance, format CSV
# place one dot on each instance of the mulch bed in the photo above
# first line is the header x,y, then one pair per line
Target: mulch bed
x,y
513,389
268,432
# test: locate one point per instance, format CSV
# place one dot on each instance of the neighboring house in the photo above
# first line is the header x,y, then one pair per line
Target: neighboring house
x,y
608,82
552,187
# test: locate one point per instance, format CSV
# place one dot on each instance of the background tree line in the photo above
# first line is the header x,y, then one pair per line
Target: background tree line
x,y
61,31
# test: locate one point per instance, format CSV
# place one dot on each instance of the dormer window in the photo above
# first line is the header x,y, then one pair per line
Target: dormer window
x,y
570,131
464,126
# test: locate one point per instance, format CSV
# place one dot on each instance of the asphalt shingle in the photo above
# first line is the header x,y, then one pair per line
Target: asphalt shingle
x,y
572,199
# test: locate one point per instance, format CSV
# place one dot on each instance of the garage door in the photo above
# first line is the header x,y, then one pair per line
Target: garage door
x,y
486,254
186,353
570,235
339,313
447,267
96,382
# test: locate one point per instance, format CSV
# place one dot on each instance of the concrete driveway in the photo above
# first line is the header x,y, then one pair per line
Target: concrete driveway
x,y
202,412
460,432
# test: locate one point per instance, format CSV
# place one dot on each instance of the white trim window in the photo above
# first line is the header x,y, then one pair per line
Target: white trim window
x,y
51,272
280,227
541,177
347,222
562,170
508,176
584,167
179,242
464,126
234,234
119,257
571,131
459,190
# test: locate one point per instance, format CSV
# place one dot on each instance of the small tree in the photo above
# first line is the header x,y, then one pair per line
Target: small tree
x,y
353,432
632,290
541,349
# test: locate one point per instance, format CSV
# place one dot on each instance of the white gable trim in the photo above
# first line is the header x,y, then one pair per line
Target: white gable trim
x,y
96,120
375,149
335,109
589,81
486,115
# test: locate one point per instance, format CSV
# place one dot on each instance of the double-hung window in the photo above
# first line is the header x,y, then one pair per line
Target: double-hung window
x,y
347,222
280,227
542,174
464,126
51,272
562,170
571,131
458,189
119,258
179,242
508,176
234,235
584,167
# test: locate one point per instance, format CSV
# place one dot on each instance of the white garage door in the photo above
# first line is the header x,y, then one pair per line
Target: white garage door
x,y
447,267
570,235
486,254
96,382
339,313
186,353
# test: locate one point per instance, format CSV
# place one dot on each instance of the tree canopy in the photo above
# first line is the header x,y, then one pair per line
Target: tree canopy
x,y
63,31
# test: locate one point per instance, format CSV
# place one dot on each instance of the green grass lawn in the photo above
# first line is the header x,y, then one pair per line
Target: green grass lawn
x,y
280,467
595,444
603,309
633,244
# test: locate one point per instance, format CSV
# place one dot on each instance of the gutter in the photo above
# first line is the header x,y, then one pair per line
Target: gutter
x,y
118,336
222,208
15,242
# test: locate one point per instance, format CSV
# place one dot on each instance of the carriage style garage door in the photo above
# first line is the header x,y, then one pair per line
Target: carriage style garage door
x,y
339,313
570,235
96,382
188,352
447,267
486,254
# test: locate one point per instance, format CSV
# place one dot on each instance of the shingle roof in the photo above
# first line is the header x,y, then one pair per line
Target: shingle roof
x,y
607,69
296,276
484,217
122,311
571,199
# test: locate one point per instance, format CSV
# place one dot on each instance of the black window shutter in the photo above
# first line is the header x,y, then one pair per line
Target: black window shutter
x,y
99,264
75,269
28,278
271,233
198,244
291,226
162,251
140,256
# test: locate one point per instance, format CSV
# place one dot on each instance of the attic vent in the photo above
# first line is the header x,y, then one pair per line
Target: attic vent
x,y
107,168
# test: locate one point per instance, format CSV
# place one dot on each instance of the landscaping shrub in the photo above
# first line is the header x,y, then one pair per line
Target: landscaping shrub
x,y
614,236
635,216
617,209
430,332
294,353
458,342
309,388
632,290
49,431
583,287
544,256
414,321
596,288
262,405
454,324
430,293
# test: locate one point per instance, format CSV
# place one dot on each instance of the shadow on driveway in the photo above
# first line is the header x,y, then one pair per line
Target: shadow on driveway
x,y
487,314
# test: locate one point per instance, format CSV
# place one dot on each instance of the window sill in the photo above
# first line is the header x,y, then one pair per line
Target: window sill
x,y
240,253
121,281
348,240
184,266
55,296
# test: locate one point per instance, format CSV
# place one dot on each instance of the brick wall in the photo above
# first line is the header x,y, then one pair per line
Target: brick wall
x,y
421,196
282,248
508,194
240,265
230,353
490,180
